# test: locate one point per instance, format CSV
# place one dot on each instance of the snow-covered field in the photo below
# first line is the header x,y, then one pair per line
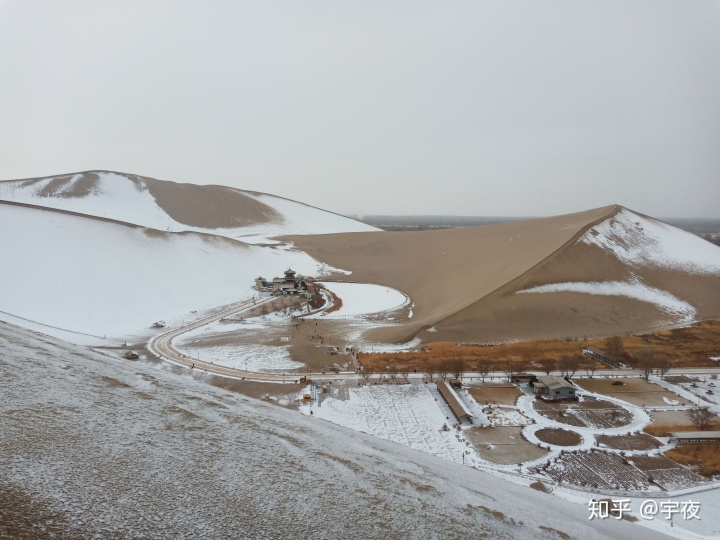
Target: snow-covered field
x,y
640,241
407,414
706,389
98,447
105,279
506,416
250,357
360,299
636,289
256,358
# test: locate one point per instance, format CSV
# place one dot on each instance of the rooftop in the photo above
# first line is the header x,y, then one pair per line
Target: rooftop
x,y
552,381
695,435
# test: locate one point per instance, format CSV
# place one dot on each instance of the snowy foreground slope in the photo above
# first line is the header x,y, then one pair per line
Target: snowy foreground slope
x,y
114,449
105,279
168,206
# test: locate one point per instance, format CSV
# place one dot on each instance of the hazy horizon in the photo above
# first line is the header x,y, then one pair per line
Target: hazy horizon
x,y
469,108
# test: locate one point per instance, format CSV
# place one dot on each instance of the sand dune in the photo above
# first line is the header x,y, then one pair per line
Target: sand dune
x,y
593,273
94,446
464,282
176,207
446,271
105,278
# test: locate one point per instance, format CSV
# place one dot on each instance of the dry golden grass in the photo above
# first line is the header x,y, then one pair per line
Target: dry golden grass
x,y
337,302
504,395
705,456
690,346
662,430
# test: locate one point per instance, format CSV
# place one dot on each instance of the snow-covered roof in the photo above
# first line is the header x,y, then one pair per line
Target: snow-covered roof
x,y
553,382
695,435
458,407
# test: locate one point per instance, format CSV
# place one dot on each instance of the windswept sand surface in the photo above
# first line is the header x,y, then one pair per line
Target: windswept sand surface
x,y
209,207
545,278
446,271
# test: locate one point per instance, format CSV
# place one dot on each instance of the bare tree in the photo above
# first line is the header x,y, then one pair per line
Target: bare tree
x,y
404,373
614,347
510,370
569,365
646,361
703,418
432,370
365,375
392,373
483,368
590,366
455,366
663,364
547,365
443,370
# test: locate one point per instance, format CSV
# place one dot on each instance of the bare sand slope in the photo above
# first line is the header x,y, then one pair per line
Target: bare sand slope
x,y
506,315
590,274
446,271
592,289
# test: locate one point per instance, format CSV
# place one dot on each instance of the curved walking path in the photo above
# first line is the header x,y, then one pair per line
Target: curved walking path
x,y
162,347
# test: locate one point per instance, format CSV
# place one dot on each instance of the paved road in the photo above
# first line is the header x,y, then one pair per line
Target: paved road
x,y
161,346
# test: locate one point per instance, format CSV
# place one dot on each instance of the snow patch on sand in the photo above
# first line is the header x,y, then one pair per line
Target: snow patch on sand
x,y
360,299
642,242
634,289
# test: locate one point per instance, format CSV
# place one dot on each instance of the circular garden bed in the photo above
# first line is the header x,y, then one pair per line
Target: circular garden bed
x,y
559,437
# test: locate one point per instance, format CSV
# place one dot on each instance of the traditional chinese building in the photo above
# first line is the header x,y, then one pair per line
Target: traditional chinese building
x,y
290,284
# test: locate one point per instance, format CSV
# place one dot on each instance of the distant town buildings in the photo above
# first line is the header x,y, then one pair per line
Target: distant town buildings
x,y
291,284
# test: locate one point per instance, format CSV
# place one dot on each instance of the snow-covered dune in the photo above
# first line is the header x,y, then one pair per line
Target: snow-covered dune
x,y
170,206
627,273
299,218
94,446
91,276
640,241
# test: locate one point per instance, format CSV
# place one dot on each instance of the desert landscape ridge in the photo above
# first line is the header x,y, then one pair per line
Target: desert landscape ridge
x,y
259,348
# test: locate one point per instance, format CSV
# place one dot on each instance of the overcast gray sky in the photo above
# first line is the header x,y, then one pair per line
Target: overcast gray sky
x,y
375,107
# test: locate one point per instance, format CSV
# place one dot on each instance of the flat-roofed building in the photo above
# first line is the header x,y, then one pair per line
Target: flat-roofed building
x,y
695,437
